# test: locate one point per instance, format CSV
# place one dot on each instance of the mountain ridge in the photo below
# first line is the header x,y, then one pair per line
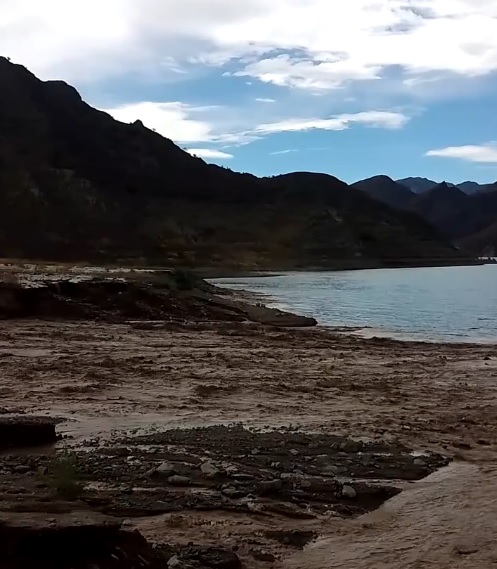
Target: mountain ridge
x,y
77,184
420,185
467,220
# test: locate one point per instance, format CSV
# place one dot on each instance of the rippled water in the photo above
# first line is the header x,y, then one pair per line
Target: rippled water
x,y
457,304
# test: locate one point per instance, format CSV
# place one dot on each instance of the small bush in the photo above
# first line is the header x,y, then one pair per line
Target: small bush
x,y
65,477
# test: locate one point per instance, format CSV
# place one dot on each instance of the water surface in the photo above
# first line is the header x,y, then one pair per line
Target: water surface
x,y
457,304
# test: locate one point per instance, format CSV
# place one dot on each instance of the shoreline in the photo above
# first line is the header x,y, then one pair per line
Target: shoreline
x,y
365,332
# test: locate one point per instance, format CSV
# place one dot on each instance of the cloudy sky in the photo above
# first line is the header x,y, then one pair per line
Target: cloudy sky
x,y
350,87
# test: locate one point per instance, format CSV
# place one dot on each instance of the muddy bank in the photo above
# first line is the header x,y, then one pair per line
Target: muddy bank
x,y
164,296
328,427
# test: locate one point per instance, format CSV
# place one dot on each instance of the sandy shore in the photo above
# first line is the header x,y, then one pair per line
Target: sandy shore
x,y
110,379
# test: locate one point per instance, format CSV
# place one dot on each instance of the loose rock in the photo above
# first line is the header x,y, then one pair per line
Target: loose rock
x,y
348,492
179,480
269,487
209,470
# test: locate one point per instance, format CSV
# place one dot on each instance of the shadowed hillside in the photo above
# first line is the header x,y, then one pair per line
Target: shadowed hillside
x,y
76,184
467,220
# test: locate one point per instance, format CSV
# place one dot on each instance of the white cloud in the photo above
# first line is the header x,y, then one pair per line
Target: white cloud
x,y
377,119
286,71
290,150
262,100
315,44
209,153
179,122
171,120
483,153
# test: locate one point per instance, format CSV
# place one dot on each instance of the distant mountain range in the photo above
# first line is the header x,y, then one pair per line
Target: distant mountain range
x,y
467,217
75,184
421,185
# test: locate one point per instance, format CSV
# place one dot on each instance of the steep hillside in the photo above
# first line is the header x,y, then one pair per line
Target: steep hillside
x,y
76,184
484,241
385,190
439,205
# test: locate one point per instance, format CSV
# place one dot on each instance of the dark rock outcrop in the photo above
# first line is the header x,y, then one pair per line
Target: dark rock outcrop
x,y
18,432
86,540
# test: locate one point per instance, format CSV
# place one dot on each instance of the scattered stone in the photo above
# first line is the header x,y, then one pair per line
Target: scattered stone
x,y
21,469
348,492
179,480
419,462
269,487
233,493
209,470
166,469
243,477
255,451
174,563
294,452
331,470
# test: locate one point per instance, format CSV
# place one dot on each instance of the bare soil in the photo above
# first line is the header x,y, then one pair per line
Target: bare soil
x,y
335,426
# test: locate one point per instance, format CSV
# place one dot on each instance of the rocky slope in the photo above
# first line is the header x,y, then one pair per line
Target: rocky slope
x,y
76,184
467,220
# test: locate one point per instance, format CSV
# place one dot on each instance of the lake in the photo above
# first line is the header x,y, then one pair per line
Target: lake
x,y
456,304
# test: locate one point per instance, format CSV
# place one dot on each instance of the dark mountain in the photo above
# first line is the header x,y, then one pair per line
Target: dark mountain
x,y
439,205
422,185
77,185
473,219
387,191
417,185
472,188
467,220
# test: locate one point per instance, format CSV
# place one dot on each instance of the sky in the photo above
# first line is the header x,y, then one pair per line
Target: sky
x,y
353,88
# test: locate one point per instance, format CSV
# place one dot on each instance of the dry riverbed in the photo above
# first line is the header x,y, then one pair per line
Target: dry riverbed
x,y
324,427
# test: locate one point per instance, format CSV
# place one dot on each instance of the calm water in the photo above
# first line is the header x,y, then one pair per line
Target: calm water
x,y
457,304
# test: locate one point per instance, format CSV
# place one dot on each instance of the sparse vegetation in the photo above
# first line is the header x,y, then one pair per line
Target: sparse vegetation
x,y
65,477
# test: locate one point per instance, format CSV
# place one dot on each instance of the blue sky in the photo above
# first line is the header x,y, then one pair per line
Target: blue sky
x,y
354,89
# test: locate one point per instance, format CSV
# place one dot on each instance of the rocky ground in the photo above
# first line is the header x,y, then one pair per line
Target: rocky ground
x,y
236,444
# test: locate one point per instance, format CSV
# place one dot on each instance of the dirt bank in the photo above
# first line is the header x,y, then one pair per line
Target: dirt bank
x,y
166,296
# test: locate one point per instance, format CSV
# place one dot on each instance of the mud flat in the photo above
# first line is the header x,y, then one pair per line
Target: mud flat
x,y
232,443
